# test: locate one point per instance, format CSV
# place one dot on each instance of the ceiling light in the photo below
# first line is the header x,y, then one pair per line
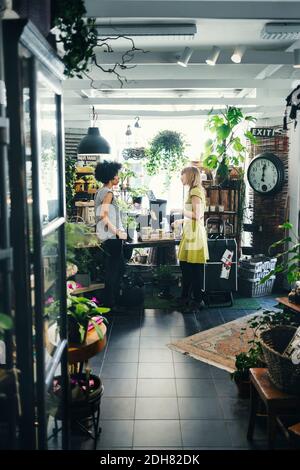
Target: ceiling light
x,y
238,53
93,143
280,31
296,59
137,123
213,56
128,131
185,57
159,29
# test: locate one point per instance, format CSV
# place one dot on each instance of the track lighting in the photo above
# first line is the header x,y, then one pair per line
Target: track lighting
x,y
296,59
213,56
185,57
238,53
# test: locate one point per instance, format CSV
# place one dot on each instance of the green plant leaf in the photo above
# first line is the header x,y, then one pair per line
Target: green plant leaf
x,y
223,131
6,322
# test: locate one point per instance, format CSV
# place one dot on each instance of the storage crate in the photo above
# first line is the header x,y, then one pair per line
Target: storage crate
x,y
251,274
253,288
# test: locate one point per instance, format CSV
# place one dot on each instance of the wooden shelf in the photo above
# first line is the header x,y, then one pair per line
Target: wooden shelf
x,y
90,288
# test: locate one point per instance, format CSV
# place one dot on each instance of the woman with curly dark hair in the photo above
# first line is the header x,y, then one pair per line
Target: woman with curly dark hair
x,y
110,229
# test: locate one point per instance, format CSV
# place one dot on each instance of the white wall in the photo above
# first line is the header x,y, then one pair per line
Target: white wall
x,y
294,175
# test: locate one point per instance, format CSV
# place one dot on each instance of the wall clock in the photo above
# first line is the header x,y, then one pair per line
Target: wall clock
x,y
266,174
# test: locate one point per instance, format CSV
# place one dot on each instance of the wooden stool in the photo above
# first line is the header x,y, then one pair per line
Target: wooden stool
x,y
295,433
276,402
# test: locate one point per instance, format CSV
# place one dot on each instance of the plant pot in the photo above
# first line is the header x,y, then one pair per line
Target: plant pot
x,y
243,386
83,279
142,259
137,199
74,336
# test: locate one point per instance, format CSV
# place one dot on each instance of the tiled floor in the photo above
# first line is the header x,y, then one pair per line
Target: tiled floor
x,y
156,398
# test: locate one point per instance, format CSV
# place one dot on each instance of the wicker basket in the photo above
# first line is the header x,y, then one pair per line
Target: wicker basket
x,y
284,374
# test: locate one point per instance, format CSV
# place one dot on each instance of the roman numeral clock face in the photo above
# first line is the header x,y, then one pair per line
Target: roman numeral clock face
x,y
266,174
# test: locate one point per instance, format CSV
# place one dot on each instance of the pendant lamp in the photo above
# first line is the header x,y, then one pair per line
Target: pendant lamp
x,y
93,143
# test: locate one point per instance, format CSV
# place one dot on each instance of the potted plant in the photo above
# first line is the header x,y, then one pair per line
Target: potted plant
x,y
80,312
164,278
288,261
244,362
265,320
141,255
225,150
124,176
137,194
166,153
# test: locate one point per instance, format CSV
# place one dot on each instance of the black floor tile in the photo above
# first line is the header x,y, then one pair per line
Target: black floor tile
x,y
122,355
198,370
235,408
116,434
127,370
157,433
156,408
199,408
120,387
238,434
156,371
148,342
156,388
218,373
157,355
226,388
195,388
205,433
124,342
117,408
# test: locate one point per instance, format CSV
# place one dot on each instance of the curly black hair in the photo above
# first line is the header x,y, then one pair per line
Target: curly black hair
x,y
106,171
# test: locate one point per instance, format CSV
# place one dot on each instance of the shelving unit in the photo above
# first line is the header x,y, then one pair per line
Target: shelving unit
x,y
84,197
229,198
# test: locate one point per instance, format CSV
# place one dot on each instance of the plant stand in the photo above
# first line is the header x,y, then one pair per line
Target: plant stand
x,y
85,411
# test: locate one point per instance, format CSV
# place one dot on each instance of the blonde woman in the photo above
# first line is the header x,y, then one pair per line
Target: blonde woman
x,y
193,248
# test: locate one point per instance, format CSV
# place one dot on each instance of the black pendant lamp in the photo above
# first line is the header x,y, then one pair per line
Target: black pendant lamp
x,y
93,143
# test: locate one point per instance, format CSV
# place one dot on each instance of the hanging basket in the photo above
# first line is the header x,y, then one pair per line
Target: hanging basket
x,y
284,374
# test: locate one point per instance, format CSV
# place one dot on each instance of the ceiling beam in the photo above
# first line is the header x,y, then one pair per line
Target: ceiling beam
x,y
110,100
160,84
71,115
271,69
185,9
198,58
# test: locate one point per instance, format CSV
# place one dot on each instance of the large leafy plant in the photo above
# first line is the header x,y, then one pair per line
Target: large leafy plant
x,y
225,148
6,323
288,259
166,153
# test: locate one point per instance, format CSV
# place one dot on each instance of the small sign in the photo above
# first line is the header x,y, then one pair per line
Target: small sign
x,y
266,132
88,158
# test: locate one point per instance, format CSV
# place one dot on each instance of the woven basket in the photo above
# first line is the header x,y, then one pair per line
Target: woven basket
x,y
284,374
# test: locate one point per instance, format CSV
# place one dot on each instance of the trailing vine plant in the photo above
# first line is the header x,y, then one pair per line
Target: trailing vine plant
x,y
166,153
79,38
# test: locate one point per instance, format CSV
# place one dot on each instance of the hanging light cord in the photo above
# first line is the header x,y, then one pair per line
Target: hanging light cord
x,y
94,116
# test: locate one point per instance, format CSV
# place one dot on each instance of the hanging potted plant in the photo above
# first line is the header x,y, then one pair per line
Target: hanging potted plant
x,y
225,152
166,153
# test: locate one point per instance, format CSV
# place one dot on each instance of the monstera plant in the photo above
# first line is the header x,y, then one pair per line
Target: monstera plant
x,y
225,148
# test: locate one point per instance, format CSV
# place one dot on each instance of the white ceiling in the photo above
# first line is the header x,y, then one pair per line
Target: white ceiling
x,y
260,83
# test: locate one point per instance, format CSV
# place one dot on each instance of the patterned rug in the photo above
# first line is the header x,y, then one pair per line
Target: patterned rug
x,y
218,346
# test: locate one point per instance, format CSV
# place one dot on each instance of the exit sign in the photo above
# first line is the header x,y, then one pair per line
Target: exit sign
x,y
266,132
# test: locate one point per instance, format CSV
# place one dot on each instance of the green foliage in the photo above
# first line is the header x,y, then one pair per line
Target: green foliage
x,y
263,321
163,273
226,149
138,191
78,234
77,34
288,261
70,165
82,310
6,323
245,361
166,153
125,173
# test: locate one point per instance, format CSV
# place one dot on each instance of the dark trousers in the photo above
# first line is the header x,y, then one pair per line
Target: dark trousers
x,y
114,266
192,280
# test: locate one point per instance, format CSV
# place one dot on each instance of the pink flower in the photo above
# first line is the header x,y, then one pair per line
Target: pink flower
x,y
95,300
78,286
70,286
49,301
